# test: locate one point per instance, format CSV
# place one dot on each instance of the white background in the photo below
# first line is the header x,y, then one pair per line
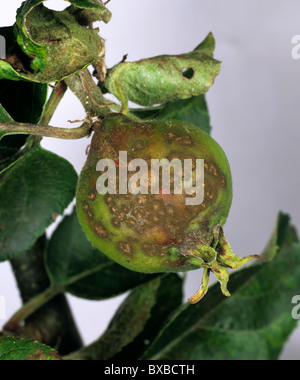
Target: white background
x,y
254,107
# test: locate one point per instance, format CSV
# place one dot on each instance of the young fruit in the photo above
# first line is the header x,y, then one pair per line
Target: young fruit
x,y
152,231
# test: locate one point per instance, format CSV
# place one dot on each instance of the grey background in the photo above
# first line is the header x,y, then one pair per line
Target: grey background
x,y
253,106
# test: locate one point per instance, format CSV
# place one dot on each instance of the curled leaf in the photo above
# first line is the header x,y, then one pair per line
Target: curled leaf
x,y
90,10
50,45
165,78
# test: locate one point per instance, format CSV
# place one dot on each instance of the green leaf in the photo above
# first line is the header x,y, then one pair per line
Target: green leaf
x,y
192,110
21,349
165,78
168,299
4,115
283,236
9,152
15,60
83,270
92,10
4,118
21,102
8,156
137,321
126,325
51,45
253,324
37,187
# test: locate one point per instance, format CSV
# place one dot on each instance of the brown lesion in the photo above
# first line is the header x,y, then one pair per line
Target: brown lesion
x,y
150,215
152,249
116,223
87,209
100,230
172,137
85,206
90,214
179,263
126,248
92,196
213,170
183,156
164,218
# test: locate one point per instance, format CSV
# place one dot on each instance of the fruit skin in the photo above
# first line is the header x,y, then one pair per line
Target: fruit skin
x,y
158,233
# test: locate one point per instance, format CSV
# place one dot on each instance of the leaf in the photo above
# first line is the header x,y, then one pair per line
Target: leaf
x,y
83,270
4,117
51,45
92,10
36,188
8,152
253,324
168,299
21,102
283,236
192,110
165,78
12,66
21,349
128,322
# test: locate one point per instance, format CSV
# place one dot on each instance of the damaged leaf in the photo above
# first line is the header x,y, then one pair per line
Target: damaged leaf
x,y
90,11
49,46
165,78
128,322
21,349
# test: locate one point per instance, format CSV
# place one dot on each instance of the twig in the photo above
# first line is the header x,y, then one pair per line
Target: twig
x,y
46,131
57,94
89,94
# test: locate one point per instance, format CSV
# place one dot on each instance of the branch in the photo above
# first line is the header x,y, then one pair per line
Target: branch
x,y
56,96
46,131
89,94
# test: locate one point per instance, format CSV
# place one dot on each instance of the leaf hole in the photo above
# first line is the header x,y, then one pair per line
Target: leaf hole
x,y
56,5
188,73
